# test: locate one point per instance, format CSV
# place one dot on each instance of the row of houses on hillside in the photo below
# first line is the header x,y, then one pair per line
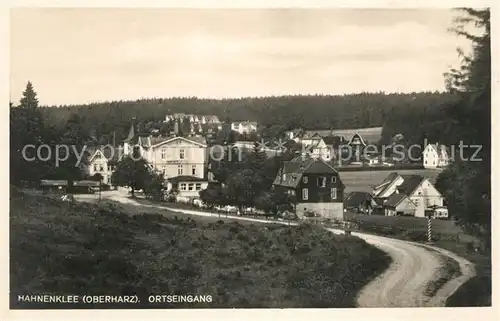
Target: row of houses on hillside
x,y
325,143
194,119
399,195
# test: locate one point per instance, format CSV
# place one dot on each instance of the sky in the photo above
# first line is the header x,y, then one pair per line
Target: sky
x,y
83,55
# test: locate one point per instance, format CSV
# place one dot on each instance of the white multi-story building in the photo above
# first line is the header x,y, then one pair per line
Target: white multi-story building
x,y
436,156
244,127
181,160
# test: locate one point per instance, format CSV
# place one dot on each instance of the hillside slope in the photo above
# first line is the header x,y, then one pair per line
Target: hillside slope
x,y
86,249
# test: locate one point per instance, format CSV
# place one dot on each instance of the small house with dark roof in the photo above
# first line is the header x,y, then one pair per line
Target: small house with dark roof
x,y
400,205
360,202
316,186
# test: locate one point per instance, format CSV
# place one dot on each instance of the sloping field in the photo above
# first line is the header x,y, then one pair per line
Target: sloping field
x,y
363,181
63,249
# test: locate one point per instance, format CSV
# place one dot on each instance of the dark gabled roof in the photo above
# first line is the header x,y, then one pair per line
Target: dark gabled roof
x,y
318,166
357,198
394,200
332,140
410,183
391,177
295,168
185,178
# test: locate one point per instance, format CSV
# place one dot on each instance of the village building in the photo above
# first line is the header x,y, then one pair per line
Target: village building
x,y
316,186
399,205
436,156
102,160
419,190
360,202
181,160
244,127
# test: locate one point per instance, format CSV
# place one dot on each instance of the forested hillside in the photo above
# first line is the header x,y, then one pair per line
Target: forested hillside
x,y
415,115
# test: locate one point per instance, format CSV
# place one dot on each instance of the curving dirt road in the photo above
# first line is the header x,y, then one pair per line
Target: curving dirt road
x,y
413,267
403,284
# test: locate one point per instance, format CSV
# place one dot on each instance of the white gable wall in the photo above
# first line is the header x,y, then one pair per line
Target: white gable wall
x,y
425,196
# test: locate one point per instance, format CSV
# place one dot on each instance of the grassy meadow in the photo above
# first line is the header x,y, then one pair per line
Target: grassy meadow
x,y
58,248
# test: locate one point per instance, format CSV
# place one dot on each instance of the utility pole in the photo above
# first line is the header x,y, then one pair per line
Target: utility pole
x,y
100,189
429,228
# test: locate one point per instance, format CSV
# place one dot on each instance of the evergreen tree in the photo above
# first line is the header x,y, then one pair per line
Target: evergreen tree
x,y
132,172
29,99
466,183
26,130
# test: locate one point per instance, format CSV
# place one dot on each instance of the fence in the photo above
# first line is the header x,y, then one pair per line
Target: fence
x,y
414,228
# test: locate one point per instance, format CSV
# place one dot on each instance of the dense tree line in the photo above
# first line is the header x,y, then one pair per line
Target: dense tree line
x,y
397,113
243,178
466,183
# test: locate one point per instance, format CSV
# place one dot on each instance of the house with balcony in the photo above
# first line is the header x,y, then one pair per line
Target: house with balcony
x,y
316,186
181,160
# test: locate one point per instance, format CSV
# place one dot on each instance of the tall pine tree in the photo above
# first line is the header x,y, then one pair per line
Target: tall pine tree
x,y
466,183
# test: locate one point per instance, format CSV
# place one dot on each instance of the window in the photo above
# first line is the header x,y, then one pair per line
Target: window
x,y
98,156
333,193
304,179
163,153
101,168
179,170
181,154
283,177
322,181
183,187
193,170
190,186
334,179
110,167
95,168
198,186
305,194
